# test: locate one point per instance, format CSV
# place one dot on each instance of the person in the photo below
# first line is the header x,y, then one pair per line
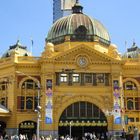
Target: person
x,y
6,137
34,137
94,136
15,137
1,137
102,137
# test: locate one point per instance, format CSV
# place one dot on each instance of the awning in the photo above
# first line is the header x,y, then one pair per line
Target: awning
x,y
4,111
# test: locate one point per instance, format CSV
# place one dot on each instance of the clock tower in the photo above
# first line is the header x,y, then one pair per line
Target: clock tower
x,y
62,8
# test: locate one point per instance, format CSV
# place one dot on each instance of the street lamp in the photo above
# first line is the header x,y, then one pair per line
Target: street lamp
x,y
70,128
38,103
38,110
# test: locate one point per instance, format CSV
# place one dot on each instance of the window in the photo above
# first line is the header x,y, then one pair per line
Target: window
x,y
96,111
137,119
106,79
20,102
133,103
131,119
92,79
63,78
129,85
29,84
100,78
24,103
88,78
137,103
75,78
89,109
29,102
69,111
3,101
84,111
3,85
76,109
130,104
81,32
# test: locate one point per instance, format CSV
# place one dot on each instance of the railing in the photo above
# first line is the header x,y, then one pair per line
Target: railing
x,y
6,60
131,59
19,59
28,58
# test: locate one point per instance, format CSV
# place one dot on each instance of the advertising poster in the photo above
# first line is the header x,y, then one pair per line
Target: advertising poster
x,y
117,102
49,104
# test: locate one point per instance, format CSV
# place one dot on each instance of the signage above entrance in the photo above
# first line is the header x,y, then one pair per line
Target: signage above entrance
x,y
82,123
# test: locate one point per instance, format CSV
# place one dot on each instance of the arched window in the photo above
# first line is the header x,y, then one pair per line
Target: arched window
x,y
82,111
29,84
130,104
29,102
129,85
81,33
27,99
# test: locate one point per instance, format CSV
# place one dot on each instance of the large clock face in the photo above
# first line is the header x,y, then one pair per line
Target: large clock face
x,y
82,61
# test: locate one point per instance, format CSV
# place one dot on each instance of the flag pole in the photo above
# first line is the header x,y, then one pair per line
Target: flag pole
x,y
32,43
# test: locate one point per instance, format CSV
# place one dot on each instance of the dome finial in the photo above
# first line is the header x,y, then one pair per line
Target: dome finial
x,y
77,8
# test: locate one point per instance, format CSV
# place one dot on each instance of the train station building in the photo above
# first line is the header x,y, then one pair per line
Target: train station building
x,y
80,83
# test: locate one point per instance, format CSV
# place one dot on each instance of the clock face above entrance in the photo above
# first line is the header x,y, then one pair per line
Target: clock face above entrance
x,y
82,61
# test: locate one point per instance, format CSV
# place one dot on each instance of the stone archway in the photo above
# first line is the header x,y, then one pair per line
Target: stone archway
x,y
2,128
27,128
67,101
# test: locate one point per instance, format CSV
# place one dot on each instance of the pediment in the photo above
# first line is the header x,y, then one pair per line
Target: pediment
x,y
90,53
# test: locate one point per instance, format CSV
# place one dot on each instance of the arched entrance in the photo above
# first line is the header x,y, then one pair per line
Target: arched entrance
x,y
28,128
2,128
81,118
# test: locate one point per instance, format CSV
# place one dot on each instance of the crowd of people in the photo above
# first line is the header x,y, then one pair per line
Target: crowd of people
x,y
25,137
87,136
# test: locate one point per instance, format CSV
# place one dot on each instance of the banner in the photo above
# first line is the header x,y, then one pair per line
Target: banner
x,y
49,103
117,102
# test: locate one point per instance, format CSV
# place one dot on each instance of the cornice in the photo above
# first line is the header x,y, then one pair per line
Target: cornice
x,y
72,53
132,67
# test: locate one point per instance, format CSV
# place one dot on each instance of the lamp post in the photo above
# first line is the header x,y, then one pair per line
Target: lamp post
x,y
38,110
38,103
70,129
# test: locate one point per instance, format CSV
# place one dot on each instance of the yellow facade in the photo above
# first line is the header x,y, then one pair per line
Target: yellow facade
x,y
46,66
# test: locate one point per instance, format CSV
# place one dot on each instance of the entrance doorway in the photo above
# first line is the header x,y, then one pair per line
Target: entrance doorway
x,y
27,128
82,118
80,131
2,128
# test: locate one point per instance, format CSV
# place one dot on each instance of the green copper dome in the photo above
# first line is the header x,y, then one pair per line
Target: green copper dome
x,y
79,27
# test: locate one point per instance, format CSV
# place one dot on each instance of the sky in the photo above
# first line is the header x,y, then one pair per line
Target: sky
x,y
27,20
